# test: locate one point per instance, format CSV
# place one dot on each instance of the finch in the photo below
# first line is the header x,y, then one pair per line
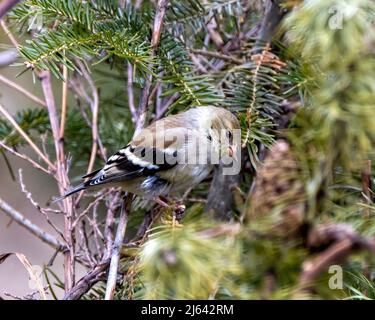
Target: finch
x,y
171,155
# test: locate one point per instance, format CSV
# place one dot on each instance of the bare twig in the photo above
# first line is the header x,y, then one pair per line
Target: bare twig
x,y
22,90
214,34
24,157
37,205
6,6
158,100
7,57
143,229
130,89
92,204
342,241
116,250
198,63
64,102
164,108
69,265
77,86
108,229
156,33
88,281
34,229
94,105
84,243
366,187
95,227
26,137
95,111
9,34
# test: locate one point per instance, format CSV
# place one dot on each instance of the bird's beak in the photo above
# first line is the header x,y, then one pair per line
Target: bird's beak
x,y
232,152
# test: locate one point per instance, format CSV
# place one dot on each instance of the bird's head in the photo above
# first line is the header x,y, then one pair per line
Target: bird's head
x,y
224,132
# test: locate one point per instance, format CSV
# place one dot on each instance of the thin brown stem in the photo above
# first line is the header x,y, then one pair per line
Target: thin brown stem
x,y
37,205
26,158
339,242
116,250
94,105
95,111
6,6
84,243
85,283
108,229
31,227
130,89
366,187
89,207
164,108
64,102
69,258
26,137
9,34
156,33
7,57
22,90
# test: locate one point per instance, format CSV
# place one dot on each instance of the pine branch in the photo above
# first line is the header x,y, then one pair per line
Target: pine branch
x,y
193,89
217,55
90,29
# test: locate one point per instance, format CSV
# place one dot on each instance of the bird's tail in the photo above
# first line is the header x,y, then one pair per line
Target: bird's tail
x,y
76,189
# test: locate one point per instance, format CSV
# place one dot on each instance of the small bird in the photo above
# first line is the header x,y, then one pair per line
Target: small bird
x,y
171,155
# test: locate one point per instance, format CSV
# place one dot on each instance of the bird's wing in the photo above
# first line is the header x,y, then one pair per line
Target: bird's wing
x,y
150,152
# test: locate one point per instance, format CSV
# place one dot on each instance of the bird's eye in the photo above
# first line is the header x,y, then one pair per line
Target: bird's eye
x,y
143,152
229,135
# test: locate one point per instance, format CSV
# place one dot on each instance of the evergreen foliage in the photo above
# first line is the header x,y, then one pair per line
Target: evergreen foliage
x,y
322,62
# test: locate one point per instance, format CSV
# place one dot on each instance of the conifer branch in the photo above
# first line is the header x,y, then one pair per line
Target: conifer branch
x,y
217,55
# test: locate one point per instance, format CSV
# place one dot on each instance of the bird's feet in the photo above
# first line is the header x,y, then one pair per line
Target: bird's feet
x,y
177,208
